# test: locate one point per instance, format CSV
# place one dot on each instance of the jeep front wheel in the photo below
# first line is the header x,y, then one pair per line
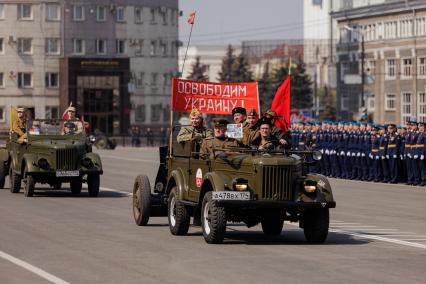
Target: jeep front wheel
x,y
141,200
272,225
2,174
93,183
178,215
315,225
75,185
15,181
213,220
29,184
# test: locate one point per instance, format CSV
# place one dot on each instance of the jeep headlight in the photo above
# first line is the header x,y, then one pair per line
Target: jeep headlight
x,y
309,186
43,163
240,184
316,155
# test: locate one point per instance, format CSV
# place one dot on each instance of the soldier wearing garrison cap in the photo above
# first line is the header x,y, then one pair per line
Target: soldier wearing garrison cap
x,y
71,117
19,125
252,131
420,153
196,131
219,141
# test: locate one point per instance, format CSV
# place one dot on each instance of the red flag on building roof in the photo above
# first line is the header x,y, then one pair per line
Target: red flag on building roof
x,y
191,18
281,105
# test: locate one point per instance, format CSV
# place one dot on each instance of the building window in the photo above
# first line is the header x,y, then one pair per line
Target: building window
x,y
166,113
154,77
52,46
153,49
421,26
153,16
391,29
53,12
406,28
390,69
2,114
140,80
155,113
390,102
421,103
422,66
370,103
1,80
172,17
101,46
52,112
120,46
25,12
79,46
164,15
165,79
344,69
406,106
1,46
140,113
25,46
25,80
52,80
139,47
344,103
78,13
101,13
1,11
371,67
407,65
121,14
163,48
138,15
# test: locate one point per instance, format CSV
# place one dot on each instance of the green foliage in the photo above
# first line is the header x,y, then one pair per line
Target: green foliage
x,y
266,89
198,72
225,75
327,99
235,68
301,90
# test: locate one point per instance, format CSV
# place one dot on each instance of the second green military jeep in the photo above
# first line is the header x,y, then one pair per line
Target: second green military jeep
x,y
236,185
55,152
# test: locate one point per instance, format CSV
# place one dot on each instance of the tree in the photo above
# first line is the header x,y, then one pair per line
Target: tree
x,y
301,91
241,70
225,75
266,92
328,100
198,72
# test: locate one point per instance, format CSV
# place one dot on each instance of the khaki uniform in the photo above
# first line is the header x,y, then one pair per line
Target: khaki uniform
x,y
20,128
250,134
188,133
214,143
268,143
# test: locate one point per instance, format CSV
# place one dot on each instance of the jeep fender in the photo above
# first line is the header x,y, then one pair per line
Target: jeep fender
x,y
29,160
177,179
323,185
4,155
214,181
95,158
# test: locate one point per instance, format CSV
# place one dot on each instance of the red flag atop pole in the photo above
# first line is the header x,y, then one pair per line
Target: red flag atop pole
x,y
191,18
281,105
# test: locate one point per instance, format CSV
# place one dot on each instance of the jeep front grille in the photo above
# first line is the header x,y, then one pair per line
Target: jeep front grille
x,y
277,183
66,159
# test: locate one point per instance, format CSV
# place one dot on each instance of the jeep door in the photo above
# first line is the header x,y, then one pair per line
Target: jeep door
x,y
197,170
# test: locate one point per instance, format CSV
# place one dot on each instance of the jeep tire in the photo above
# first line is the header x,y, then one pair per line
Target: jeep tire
x,y
2,174
93,183
29,184
15,181
272,225
213,220
141,200
75,185
178,215
315,225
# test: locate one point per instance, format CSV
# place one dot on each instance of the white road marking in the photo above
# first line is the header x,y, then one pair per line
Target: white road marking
x,y
418,239
373,230
40,272
129,159
351,226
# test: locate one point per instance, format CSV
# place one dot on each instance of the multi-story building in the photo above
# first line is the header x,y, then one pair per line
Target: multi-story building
x,y
388,39
113,60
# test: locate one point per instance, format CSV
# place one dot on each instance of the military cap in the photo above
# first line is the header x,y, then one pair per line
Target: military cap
x,y
220,122
195,112
252,112
271,113
239,110
71,108
265,120
393,125
421,123
20,109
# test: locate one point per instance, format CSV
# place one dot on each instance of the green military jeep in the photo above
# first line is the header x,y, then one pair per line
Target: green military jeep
x,y
55,152
236,185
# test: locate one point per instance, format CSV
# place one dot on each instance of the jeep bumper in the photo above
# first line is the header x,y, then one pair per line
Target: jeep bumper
x,y
275,204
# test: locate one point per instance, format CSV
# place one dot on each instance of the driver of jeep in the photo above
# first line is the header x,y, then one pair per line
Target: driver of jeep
x,y
219,141
69,128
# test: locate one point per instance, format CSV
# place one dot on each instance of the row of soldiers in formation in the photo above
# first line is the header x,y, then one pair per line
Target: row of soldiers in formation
x,y
370,152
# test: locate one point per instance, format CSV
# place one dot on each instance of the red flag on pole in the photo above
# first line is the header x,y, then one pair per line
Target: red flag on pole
x,y
191,18
281,105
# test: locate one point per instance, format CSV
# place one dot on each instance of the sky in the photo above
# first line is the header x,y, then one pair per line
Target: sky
x,y
220,22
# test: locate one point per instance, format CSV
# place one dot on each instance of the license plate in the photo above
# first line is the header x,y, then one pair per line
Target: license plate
x,y
231,195
67,173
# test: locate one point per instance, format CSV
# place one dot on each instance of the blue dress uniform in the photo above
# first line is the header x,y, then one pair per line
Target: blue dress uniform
x,y
343,147
420,154
350,156
334,169
402,164
383,146
376,157
365,160
326,156
393,154
414,176
320,145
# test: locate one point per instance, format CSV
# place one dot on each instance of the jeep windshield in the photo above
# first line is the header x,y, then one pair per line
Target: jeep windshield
x,y
57,127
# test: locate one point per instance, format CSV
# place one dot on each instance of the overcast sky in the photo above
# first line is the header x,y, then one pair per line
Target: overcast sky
x,y
231,21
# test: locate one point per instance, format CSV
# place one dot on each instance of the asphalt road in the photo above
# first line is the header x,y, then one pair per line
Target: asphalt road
x,y
377,235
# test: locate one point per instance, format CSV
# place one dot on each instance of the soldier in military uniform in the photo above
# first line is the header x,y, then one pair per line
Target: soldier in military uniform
x,y
282,137
266,141
19,126
219,141
411,158
402,164
420,153
383,147
392,154
252,131
196,131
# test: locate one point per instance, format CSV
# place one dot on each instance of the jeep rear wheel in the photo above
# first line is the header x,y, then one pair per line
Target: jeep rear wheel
x,y
29,184
178,215
75,186
93,183
315,225
272,225
2,174
15,181
141,200
213,220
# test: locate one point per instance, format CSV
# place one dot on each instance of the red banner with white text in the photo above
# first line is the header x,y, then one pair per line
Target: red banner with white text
x,y
213,98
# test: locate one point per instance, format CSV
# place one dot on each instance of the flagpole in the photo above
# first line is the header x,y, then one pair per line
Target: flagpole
x,y
187,45
288,124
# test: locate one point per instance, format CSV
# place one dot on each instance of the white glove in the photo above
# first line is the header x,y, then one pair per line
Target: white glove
x,y
395,156
334,152
387,156
353,154
322,151
370,156
409,156
327,152
358,154
363,155
402,157
416,156
342,153
377,157
383,157
422,157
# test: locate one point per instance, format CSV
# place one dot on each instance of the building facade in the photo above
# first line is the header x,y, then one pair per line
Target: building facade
x,y
113,60
388,39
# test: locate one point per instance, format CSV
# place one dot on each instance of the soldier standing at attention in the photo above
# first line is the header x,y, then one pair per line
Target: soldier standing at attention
x,y
402,165
375,154
412,166
393,153
383,147
219,140
265,141
196,131
420,153
19,126
251,132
